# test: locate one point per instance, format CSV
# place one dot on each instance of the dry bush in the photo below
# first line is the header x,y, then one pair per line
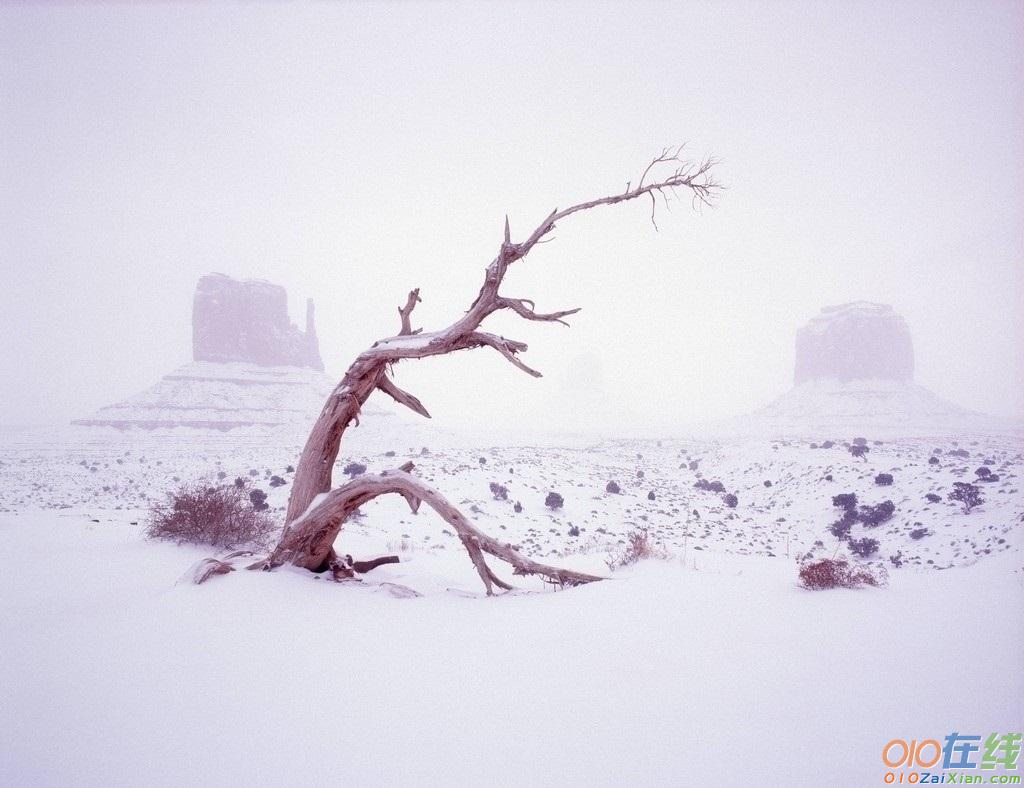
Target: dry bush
x,y
200,514
830,573
638,548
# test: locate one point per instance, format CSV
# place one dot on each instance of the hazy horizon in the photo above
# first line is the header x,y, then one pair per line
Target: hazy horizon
x,y
352,152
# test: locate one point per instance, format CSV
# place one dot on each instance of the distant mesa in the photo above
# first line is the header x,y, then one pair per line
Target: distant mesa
x,y
858,341
251,367
248,321
854,370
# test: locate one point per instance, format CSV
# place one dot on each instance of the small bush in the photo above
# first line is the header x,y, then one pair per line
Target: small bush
x,y
830,573
554,501
219,516
933,498
731,500
847,501
967,495
883,479
638,548
613,488
933,460
258,499
919,533
859,451
354,469
873,516
277,481
499,491
650,495
840,529
864,547
704,484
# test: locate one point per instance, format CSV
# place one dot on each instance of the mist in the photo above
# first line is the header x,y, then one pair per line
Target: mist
x,y
353,152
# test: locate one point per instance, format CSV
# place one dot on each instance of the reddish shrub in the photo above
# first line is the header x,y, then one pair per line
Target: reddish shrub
x,y
219,516
830,573
638,548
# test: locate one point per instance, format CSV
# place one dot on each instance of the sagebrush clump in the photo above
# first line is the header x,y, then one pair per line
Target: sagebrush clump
x,y
638,547
221,516
831,573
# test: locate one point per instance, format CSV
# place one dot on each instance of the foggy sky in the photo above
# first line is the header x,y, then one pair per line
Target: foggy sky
x,y
352,152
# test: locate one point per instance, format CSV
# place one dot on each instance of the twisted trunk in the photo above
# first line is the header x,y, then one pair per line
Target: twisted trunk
x,y
316,513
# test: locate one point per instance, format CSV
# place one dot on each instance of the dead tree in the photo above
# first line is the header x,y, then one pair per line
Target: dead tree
x,y
316,512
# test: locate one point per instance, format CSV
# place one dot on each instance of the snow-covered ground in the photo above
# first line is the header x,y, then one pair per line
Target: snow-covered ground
x,y
710,666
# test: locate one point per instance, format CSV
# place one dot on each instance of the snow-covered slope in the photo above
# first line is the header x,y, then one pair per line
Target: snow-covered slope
x,y
223,396
707,666
885,408
714,672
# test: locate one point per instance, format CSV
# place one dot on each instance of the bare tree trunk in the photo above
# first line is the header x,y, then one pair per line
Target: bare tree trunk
x,y
316,512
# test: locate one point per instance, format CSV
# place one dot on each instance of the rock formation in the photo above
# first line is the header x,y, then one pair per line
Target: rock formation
x,y
854,374
251,367
857,341
248,321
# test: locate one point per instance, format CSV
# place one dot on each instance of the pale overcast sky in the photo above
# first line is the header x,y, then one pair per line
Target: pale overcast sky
x,y
352,151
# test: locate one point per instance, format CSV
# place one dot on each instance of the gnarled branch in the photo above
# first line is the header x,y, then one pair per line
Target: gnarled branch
x,y
306,541
309,542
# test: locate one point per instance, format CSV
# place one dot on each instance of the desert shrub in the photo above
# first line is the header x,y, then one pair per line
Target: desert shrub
x,y
883,479
222,516
933,460
258,499
650,495
919,533
554,501
517,508
933,498
290,469
639,474
239,482
982,472
638,547
731,500
896,560
704,484
277,481
840,529
499,491
574,531
613,488
767,483
828,444
830,573
860,441
865,547
967,495
873,516
859,451
847,501
354,469
959,453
